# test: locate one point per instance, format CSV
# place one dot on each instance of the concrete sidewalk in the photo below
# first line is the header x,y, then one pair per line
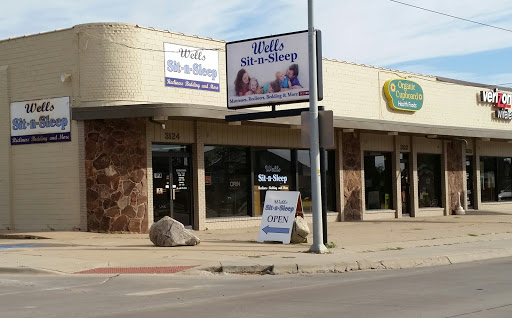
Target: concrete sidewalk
x,y
398,243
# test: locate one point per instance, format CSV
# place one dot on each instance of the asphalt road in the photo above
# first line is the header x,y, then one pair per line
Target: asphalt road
x,y
479,289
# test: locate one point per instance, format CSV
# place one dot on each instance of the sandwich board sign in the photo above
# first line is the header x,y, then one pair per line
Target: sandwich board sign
x,y
278,215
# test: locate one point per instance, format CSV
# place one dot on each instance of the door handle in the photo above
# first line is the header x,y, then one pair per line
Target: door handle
x,y
173,194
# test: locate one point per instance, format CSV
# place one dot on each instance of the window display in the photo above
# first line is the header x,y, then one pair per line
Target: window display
x,y
227,181
429,180
495,179
378,180
272,171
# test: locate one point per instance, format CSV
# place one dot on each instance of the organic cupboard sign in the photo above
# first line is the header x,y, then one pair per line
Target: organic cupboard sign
x,y
404,94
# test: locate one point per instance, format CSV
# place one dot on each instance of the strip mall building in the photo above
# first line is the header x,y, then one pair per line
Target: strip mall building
x,y
97,137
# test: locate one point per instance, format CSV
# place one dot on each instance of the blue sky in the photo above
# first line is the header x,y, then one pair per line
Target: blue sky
x,y
381,33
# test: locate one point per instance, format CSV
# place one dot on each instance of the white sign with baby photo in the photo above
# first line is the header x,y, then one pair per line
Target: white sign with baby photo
x,y
269,70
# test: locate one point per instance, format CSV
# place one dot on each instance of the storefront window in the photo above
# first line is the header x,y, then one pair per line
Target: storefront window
x,y
503,185
429,180
228,178
495,179
227,181
488,179
304,180
272,171
378,180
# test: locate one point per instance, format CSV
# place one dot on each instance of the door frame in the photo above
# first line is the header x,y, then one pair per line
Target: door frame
x,y
170,155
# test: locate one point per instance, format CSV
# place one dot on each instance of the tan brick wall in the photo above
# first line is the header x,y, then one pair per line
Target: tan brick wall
x,y
36,63
377,142
494,149
353,90
425,145
46,189
5,151
123,64
44,179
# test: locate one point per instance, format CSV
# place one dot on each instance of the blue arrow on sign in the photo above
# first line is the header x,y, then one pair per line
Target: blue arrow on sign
x,y
267,229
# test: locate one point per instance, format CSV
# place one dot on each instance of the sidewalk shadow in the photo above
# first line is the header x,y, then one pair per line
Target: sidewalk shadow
x,y
480,212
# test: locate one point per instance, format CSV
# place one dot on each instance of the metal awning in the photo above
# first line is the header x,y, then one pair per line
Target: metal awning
x,y
206,112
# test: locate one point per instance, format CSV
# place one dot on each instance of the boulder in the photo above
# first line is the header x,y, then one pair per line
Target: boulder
x,y
169,232
300,230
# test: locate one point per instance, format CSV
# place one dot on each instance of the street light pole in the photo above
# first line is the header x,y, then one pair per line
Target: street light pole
x,y
316,195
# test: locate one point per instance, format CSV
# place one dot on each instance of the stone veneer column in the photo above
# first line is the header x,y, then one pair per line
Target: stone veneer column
x,y
116,172
352,176
199,186
455,173
397,178
413,184
444,178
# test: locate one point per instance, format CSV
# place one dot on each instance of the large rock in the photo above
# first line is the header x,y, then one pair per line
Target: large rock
x,y
169,232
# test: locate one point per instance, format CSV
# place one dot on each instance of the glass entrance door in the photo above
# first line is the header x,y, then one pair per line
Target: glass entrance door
x,y
405,191
161,188
172,184
181,190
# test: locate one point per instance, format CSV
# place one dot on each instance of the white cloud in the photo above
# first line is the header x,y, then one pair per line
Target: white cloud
x,y
385,32
375,32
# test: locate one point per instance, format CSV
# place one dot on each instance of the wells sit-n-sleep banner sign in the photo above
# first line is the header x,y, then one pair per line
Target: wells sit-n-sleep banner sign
x,y
191,67
269,70
40,121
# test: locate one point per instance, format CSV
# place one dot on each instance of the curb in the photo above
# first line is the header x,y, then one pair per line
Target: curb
x,y
28,271
349,266
213,268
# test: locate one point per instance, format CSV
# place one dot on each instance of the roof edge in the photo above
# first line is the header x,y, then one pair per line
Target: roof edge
x,y
465,83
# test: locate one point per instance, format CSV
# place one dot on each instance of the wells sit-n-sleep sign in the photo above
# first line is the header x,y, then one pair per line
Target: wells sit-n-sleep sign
x,y
267,71
278,215
191,67
40,121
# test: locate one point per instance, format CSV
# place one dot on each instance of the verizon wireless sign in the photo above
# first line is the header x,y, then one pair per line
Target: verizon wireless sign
x,y
502,102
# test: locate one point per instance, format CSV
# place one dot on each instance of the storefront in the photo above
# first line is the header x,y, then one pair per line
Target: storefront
x,y
127,134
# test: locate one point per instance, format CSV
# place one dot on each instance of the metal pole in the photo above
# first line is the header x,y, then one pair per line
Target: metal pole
x,y
317,247
323,178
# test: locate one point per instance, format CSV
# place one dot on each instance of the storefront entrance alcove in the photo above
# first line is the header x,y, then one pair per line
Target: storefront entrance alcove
x,y
172,183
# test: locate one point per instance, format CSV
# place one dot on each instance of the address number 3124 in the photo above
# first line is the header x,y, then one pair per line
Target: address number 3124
x,y
172,136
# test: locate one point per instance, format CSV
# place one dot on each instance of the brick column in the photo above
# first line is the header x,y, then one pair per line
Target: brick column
x,y
199,190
